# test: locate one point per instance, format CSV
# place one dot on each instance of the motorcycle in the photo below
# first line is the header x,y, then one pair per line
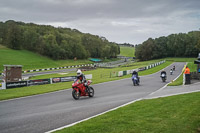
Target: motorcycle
x,y
135,80
174,68
163,77
171,72
79,89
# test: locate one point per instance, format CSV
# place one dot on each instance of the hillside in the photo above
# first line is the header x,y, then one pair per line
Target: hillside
x,y
127,51
55,43
31,60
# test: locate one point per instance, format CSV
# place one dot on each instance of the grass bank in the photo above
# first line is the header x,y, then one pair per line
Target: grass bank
x,y
127,51
177,114
30,60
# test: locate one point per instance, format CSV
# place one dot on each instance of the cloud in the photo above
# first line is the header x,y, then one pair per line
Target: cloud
x,y
129,21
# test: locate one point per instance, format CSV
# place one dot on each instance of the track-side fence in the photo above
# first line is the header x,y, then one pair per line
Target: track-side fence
x,y
126,72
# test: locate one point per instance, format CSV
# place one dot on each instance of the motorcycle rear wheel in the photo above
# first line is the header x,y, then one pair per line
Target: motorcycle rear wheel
x,y
75,95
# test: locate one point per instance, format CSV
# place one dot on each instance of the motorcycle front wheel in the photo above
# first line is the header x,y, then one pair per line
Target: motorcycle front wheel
x,y
134,83
91,92
163,79
75,94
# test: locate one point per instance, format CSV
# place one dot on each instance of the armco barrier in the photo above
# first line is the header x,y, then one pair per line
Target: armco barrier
x,y
57,68
122,73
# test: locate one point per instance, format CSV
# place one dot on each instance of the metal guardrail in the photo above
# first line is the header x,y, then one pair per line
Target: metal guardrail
x,y
111,64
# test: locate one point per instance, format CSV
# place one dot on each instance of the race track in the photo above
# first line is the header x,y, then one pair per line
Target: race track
x,y
42,113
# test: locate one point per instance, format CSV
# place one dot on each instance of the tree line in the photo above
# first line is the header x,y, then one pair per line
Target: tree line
x,y
174,45
126,45
56,43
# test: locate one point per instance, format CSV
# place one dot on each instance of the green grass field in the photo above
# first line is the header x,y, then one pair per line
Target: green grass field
x,y
30,60
174,114
127,51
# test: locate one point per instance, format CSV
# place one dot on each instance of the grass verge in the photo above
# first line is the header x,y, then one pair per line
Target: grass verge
x,y
177,114
178,81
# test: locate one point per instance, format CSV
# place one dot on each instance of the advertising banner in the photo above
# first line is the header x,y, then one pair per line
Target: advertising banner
x,y
89,76
39,82
56,80
16,84
120,73
124,73
67,79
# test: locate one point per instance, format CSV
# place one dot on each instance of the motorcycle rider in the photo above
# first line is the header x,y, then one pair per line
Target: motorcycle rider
x,y
171,71
163,73
174,68
82,78
136,74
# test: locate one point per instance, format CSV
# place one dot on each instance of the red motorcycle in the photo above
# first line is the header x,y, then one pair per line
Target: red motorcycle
x,y
80,90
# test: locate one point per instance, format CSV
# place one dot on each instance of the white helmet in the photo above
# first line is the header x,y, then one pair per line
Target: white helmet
x,y
79,72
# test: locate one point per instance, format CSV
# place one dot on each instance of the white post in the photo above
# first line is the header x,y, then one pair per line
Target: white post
x,y
183,79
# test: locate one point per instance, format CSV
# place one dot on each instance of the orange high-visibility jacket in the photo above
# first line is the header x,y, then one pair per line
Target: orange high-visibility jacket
x,y
187,71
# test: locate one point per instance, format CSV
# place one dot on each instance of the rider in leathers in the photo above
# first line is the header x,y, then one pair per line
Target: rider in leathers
x,y
136,73
82,78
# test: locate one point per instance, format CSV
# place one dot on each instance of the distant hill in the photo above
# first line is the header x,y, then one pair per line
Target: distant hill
x,y
55,43
127,51
31,60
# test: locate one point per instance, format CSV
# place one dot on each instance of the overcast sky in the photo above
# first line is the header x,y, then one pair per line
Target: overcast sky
x,y
121,21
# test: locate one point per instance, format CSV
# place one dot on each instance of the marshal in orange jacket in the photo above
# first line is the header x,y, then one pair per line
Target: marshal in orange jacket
x,y
187,70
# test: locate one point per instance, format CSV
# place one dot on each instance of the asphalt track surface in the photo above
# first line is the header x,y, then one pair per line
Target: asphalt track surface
x,y
45,112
